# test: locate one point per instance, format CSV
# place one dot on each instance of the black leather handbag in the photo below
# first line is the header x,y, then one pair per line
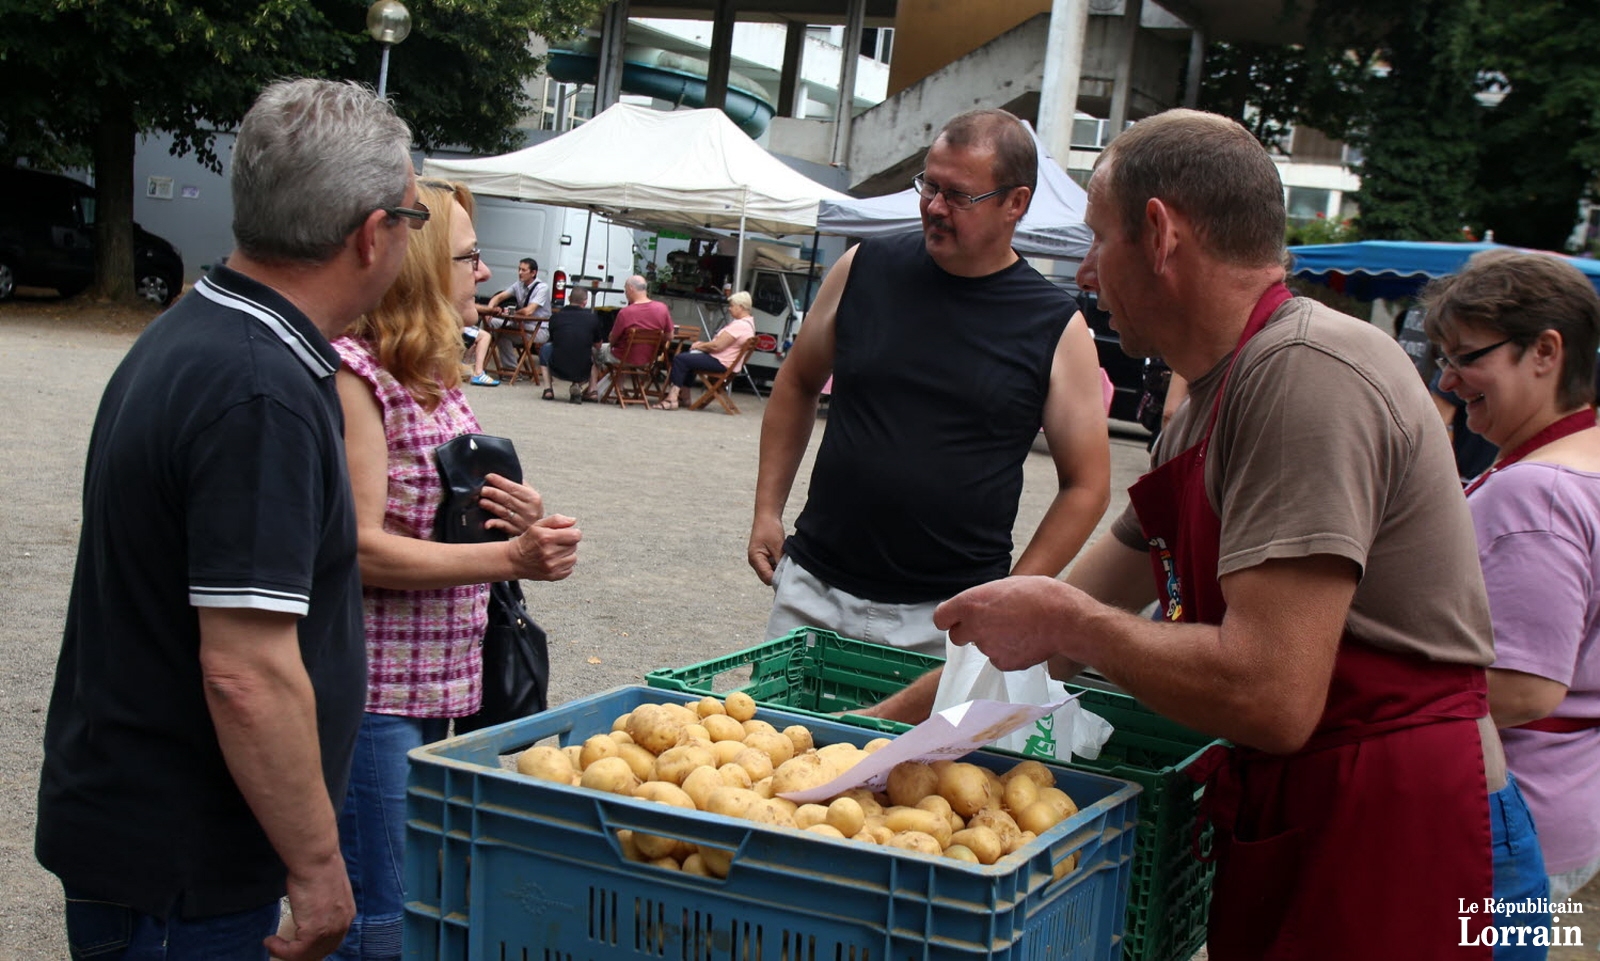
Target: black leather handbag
x,y
463,465
516,653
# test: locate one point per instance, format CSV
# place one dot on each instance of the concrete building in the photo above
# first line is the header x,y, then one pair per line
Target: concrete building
x,y
1080,70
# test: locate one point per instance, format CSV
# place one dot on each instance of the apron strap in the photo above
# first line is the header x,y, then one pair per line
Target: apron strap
x,y
1270,301
1560,725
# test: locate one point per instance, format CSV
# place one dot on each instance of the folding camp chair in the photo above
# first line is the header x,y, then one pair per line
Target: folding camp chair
x,y
716,385
634,383
527,354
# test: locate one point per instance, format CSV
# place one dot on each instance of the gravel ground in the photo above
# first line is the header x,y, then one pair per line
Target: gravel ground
x,y
662,498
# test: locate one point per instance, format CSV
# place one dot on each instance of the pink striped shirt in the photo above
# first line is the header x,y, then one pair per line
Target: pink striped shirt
x,y
424,656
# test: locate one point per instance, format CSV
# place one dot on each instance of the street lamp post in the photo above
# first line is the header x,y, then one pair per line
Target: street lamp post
x,y
388,22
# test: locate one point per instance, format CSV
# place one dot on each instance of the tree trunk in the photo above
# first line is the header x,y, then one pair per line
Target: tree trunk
x,y
113,180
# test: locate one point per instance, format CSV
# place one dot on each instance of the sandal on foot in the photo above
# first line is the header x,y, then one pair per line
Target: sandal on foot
x,y
667,405
549,393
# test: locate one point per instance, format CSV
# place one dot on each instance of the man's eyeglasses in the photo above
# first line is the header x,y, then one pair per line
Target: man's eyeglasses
x,y
1446,362
954,199
473,257
415,217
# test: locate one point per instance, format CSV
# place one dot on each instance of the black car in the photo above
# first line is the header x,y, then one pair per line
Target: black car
x,y
1127,373
47,240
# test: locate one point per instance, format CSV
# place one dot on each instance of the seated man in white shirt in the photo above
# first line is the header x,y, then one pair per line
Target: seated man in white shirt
x,y
522,306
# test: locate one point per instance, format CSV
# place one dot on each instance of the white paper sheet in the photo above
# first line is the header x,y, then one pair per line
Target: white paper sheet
x,y
952,733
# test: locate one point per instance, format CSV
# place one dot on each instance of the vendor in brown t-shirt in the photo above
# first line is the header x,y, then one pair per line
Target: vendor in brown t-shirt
x,y
1303,534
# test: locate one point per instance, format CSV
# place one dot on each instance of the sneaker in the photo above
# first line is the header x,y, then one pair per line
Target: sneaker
x,y
484,380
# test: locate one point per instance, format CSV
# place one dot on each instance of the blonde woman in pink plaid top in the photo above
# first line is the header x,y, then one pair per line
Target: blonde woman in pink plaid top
x,y
425,601
422,645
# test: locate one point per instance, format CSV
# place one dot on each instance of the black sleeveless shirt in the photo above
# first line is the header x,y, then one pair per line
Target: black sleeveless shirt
x,y
939,385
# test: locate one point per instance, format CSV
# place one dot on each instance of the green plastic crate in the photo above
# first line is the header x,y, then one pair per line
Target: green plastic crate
x,y
817,672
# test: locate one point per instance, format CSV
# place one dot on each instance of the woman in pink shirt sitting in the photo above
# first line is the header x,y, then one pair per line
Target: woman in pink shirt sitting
x,y
712,356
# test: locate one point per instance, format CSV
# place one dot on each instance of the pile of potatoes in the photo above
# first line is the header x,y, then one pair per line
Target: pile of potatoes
x,y
716,756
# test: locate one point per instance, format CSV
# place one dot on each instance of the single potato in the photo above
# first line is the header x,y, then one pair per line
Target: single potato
x,y
910,782
740,706
546,763
967,788
611,775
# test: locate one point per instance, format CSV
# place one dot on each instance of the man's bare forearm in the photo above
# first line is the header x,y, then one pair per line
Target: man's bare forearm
x,y
265,714
912,704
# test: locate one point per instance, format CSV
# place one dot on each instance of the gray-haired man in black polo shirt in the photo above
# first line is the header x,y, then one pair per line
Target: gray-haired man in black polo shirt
x,y
213,669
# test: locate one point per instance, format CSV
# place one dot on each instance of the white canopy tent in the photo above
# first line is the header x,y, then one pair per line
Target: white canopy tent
x,y
683,169
1052,227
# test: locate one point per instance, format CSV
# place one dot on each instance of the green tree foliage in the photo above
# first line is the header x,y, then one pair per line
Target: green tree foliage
x,y
83,78
1269,88
1541,147
1419,129
1399,79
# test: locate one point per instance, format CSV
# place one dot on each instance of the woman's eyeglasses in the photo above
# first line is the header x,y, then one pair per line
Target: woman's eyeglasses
x,y
1447,362
473,257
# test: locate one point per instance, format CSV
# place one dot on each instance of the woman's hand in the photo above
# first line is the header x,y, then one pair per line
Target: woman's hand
x,y
515,507
547,550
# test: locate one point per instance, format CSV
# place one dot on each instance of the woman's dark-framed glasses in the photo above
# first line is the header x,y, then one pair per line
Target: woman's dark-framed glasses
x,y
414,217
954,199
473,257
1447,362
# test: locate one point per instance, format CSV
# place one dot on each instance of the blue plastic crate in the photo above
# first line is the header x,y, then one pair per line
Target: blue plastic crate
x,y
502,866
817,673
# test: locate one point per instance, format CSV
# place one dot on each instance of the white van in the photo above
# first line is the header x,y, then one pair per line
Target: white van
x,y
570,246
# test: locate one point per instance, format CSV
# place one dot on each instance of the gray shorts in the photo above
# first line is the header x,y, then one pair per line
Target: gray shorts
x,y
800,599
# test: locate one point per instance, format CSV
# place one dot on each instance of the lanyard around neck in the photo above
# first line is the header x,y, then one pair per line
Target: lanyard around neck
x,y
1571,424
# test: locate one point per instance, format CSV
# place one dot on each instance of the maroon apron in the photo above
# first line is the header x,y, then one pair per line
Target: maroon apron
x,y
1359,844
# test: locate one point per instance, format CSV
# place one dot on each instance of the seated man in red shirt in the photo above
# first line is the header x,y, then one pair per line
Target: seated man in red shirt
x,y
640,312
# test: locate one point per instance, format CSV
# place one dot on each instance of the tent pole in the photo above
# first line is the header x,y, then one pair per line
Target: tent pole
x,y
738,256
811,269
587,226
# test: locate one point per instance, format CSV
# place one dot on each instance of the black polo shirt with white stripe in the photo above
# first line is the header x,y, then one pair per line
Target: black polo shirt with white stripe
x,y
216,477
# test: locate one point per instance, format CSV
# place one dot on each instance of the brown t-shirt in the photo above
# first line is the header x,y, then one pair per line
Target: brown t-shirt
x,y
1327,443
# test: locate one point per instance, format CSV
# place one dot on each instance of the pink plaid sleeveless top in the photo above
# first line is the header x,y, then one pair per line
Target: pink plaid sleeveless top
x,y
424,655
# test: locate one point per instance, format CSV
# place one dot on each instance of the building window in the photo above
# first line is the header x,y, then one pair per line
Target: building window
x,y
1307,203
877,43
1089,133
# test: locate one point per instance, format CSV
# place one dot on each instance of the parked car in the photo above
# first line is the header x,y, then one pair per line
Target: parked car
x,y
47,227
1127,374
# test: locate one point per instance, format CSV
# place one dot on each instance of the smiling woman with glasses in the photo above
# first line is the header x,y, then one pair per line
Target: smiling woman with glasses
x,y
1538,543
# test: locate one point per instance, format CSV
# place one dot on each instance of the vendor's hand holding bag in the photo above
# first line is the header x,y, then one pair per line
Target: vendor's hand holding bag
x,y
516,655
1072,729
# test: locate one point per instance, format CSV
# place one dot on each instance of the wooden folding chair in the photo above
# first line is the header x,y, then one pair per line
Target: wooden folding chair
x,y
632,383
716,385
527,354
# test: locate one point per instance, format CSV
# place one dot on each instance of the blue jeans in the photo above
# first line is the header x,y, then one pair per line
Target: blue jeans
x,y
102,931
372,829
1518,867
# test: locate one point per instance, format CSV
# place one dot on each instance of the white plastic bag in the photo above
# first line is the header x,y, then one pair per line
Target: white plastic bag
x,y
968,675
